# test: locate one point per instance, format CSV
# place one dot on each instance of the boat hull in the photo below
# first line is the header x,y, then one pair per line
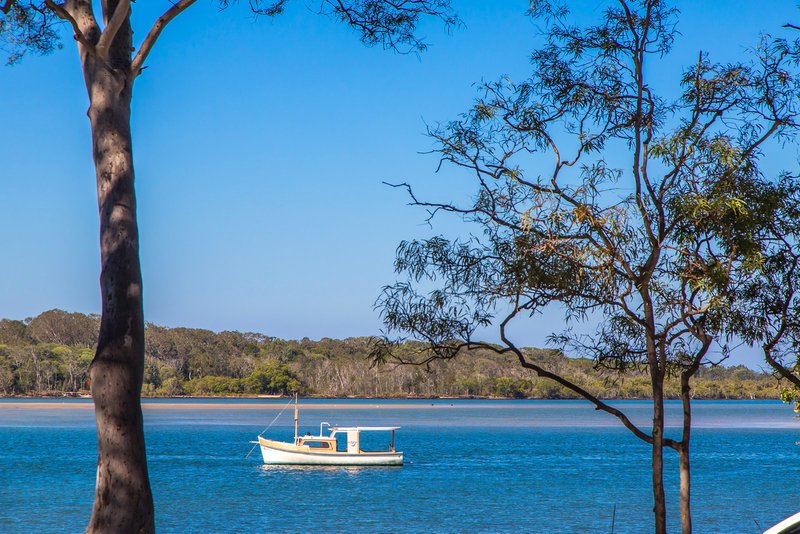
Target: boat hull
x,y
279,453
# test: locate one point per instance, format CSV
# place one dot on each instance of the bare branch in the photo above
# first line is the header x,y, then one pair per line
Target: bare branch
x,y
121,13
781,369
153,34
79,36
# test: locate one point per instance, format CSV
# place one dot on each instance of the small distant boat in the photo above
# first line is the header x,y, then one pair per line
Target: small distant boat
x,y
325,450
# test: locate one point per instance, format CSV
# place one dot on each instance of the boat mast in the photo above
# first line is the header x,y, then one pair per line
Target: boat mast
x,y
296,418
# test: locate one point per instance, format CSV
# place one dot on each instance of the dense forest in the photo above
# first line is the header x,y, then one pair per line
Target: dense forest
x,y
50,354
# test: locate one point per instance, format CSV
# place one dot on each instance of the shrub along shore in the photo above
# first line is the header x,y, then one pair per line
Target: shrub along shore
x,y
49,355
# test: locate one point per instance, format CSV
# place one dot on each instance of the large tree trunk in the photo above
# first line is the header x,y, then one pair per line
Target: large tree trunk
x,y
123,502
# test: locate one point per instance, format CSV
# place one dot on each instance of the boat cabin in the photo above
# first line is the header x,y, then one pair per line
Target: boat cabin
x,y
318,443
344,439
353,435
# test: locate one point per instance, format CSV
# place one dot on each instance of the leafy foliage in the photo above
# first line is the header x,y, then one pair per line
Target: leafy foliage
x,y
392,25
766,308
26,27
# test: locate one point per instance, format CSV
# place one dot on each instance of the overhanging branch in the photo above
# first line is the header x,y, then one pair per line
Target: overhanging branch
x,y
155,32
599,404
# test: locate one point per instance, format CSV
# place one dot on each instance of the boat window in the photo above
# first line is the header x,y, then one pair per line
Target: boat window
x,y
376,441
317,444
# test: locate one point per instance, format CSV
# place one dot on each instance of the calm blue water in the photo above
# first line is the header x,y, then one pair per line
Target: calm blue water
x,y
472,466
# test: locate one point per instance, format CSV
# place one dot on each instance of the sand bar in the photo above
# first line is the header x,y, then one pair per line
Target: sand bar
x,y
410,405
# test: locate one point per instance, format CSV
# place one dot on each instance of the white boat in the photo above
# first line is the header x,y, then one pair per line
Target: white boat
x,y
790,525
341,447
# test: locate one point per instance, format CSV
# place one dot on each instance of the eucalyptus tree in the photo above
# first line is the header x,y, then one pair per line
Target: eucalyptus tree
x,y
57,326
766,308
111,61
597,195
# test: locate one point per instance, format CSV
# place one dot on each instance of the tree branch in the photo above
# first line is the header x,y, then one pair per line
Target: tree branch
x,y
63,14
112,27
769,346
153,34
599,404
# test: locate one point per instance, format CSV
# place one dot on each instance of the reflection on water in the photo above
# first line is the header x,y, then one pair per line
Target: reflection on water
x,y
337,469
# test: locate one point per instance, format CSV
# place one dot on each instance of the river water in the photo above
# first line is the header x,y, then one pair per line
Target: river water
x,y
471,466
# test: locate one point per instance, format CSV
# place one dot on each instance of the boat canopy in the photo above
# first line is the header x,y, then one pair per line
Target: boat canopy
x,y
361,428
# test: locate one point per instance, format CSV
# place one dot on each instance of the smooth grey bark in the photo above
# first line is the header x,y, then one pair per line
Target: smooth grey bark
x,y
685,497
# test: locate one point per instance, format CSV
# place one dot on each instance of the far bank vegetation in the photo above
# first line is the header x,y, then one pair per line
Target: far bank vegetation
x,y
50,354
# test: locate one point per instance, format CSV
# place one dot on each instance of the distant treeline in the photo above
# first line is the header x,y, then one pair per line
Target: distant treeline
x,y
50,354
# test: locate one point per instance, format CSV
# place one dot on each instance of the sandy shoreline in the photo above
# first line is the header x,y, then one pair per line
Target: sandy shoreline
x,y
396,405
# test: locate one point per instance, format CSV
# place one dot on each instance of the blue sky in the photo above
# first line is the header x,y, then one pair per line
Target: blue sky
x,y
260,147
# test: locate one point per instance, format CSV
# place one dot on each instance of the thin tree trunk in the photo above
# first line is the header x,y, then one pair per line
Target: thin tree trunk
x,y
683,453
659,499
686,516
656,363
